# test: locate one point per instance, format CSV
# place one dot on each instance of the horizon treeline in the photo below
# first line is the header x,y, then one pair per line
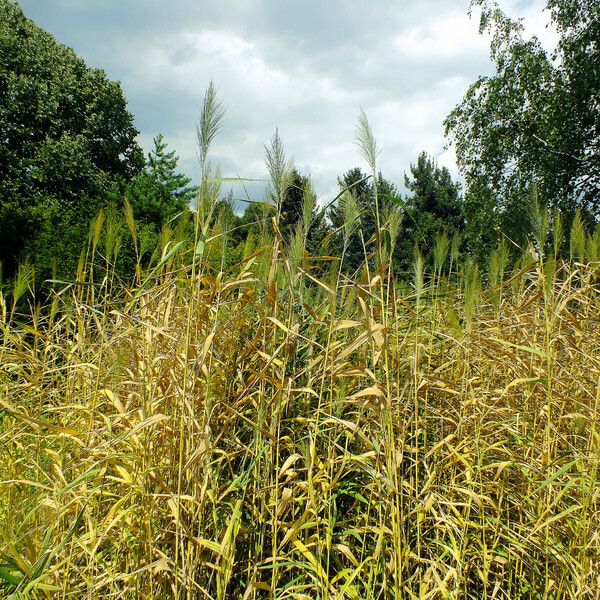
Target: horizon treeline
x,y
527,143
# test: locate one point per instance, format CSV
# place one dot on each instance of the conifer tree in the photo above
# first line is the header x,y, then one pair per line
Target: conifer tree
x,y
361,243
433,207
160,192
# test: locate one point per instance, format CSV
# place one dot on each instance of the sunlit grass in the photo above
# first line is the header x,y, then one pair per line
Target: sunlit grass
x,y
260,444
278,429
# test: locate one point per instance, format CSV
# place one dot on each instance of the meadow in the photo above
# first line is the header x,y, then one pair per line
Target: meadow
x,y
270,433
282,429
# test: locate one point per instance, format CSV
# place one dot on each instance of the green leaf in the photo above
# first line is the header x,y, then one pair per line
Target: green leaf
x,y
8,575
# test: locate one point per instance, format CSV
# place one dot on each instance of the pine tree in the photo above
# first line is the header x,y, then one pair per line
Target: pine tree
x,y
361,243
434,207
292,205
159,192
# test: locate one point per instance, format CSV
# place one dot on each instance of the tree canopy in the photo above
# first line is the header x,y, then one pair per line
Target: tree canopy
x,y
159,192
361,242
433,207
536,121
67,137
527,136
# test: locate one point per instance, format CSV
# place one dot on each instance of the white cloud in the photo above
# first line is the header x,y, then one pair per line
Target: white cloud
x,y
304,66
445,39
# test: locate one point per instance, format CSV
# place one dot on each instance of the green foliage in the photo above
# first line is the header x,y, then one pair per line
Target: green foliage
x,y
298,214
499,260
577,239
576,143
536,120
433,207
159,192
358,233
527,141
482,221
67,141
255,221
291,210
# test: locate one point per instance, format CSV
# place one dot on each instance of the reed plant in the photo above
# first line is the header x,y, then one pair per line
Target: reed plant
x,y
276,431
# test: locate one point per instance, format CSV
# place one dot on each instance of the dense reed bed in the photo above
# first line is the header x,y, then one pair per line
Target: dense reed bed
x,y
279,429
272,434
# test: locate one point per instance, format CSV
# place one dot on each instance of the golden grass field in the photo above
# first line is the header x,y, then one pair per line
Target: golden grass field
x,y
278,429
274,434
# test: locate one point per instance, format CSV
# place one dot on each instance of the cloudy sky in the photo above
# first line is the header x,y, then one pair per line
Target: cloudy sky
x,y
303,66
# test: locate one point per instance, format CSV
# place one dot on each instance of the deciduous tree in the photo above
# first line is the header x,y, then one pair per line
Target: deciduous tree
x,y
536,121
67,140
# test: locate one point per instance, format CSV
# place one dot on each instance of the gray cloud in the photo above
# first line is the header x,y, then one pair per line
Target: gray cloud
x,y
304,66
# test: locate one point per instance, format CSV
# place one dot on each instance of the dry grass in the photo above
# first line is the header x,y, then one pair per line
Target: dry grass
x,y
268,434
281,431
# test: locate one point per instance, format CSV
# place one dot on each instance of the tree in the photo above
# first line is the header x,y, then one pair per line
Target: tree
x,y
536,122
299,206
357,183
158,193
362,241
483,222
433,207
66,142
577,96
292,205
297,210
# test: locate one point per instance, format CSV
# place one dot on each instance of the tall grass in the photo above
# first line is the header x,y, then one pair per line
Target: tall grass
x,y
281,432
